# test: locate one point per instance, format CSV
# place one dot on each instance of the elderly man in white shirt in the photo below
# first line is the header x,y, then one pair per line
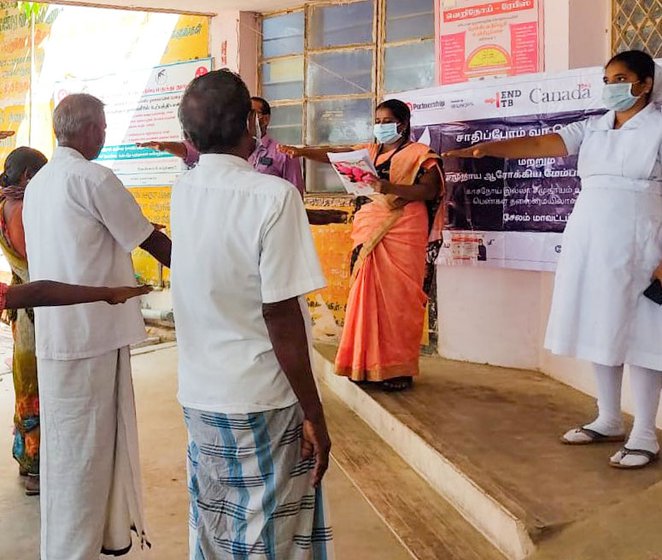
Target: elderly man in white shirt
x,y
81,225
243,257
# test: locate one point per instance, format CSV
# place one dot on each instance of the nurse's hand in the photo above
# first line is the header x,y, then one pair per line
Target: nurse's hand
x,y
473,152
657,275
6,134
177,149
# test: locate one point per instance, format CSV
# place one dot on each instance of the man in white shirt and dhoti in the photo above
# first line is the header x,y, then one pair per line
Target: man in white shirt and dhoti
x,y
81,225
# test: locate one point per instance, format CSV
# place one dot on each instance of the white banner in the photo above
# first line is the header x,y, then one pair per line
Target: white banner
x,y
140,106
518,250
533,94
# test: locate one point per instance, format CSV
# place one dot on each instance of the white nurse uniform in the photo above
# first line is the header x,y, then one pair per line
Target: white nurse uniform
x,y
611,245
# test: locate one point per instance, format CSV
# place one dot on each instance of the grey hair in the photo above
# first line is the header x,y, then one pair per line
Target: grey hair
x,y
73,113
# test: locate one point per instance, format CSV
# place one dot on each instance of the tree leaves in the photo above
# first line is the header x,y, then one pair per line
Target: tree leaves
x,y
31,9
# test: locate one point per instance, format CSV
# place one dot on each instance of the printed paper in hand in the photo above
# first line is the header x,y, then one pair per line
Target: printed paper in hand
x,y
354,168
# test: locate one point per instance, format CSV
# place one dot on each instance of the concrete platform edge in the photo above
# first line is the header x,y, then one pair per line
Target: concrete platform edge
x,y
500,526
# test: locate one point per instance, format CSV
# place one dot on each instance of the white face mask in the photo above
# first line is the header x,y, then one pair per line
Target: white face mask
x,y
257,131
386,133
619,97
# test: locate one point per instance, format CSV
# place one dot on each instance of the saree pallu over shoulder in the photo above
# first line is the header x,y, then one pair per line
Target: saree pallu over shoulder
x,y
407,162
405,168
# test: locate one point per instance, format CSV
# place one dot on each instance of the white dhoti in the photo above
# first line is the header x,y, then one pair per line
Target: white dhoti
x,y
91,495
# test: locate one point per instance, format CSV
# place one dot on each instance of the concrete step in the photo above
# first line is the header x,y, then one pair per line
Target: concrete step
x,y
486,440
427,525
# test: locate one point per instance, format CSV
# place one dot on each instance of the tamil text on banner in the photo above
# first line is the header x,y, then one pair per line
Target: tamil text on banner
x,y
140,106
478,38
507,213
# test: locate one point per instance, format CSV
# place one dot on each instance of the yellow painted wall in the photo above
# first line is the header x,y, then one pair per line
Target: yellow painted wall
x,y
334,247
155,203
15,72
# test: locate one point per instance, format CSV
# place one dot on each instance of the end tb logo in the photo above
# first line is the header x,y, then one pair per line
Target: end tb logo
x,y
505,98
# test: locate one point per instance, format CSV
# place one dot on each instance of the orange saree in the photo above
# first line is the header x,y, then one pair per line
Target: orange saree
x,y
386,306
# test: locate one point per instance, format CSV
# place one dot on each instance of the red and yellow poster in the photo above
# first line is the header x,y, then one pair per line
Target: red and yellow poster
x,y
477,39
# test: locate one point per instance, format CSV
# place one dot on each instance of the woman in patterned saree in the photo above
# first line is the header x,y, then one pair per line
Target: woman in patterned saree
x,y
21,165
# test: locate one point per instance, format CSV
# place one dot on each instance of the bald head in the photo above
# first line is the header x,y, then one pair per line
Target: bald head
x,y
79,122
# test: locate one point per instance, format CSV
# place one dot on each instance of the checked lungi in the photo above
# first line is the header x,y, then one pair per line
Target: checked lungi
x,y
250,491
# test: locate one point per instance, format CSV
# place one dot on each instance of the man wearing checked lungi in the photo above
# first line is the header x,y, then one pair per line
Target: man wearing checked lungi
x,y
243,258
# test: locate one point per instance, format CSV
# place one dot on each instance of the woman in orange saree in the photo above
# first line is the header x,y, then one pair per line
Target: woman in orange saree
x,y
391,235
21,165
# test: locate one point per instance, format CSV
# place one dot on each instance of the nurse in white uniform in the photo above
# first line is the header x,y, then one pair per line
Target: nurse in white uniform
x,y
612,249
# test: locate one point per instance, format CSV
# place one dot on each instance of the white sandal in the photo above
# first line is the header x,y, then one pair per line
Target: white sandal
x,y
649,456
586,436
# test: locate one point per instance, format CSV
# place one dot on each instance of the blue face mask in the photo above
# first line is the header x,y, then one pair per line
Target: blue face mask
x,y
618,97
386,133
